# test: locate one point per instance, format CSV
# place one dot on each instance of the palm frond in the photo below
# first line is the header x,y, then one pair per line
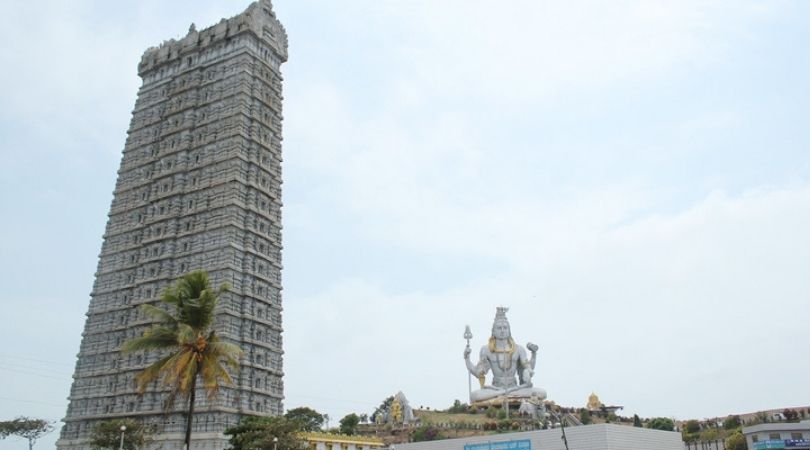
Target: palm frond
x,y
186,335
186,372
224,351
212,374
156,338
175,367
160,315
151,373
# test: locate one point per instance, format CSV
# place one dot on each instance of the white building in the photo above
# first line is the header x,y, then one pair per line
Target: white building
x,y
778,435
587,437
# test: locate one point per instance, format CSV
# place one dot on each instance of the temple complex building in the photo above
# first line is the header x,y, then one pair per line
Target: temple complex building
x,y
199,187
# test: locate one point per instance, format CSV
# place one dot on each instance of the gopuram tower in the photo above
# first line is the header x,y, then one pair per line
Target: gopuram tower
x,y
199,187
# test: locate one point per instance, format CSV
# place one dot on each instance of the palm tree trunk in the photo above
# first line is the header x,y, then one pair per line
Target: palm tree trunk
x,y
190,418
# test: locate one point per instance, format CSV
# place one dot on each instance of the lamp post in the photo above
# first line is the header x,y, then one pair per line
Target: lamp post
x,y
275,443
564,439
123,429
559,416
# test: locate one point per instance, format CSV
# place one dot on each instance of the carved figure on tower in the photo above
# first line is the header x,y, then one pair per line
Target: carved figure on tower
x,y
512,367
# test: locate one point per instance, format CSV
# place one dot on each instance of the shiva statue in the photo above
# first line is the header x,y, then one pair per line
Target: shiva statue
x,y
512,368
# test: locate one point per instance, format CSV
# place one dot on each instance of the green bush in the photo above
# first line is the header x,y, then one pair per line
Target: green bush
x,y
585,417
426,433
736,442
661,423
709,435
732,422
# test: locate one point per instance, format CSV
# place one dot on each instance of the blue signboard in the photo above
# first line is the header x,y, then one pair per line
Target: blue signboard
x,y
787,443
522,444
772,443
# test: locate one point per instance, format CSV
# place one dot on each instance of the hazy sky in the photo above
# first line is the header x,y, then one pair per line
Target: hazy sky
x,y
631,178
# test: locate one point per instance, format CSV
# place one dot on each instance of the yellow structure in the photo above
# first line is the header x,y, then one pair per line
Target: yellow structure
x,y
396,411
594,403
327,441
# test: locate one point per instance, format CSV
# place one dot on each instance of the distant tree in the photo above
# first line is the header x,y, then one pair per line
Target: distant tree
x,y
661,423
492,412
501,414
348,424
736,442
107,434
458,407
308,418
610,418
790,415
692,426
636,421
363,418
383,408
585,417
254,432
426,433
732,422
709,434
26,427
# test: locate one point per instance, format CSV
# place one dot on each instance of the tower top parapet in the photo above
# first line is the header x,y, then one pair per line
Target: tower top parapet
x,y
258,18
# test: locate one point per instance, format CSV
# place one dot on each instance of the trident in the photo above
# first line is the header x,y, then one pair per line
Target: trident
x,y
468,335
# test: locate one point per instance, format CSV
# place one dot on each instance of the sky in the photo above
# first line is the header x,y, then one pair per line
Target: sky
x,y
630,178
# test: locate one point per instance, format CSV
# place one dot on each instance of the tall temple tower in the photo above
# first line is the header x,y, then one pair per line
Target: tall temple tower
x,y
199,187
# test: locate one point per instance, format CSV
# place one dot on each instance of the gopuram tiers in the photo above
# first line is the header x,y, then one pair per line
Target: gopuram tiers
x,y
199,187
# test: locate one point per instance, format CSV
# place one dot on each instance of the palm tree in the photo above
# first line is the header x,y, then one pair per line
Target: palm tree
x,y
192,347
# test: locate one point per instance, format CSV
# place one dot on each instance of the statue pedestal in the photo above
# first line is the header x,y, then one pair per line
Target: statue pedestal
x,y
534,396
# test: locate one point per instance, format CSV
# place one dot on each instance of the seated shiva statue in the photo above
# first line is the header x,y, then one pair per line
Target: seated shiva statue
x,y
512,369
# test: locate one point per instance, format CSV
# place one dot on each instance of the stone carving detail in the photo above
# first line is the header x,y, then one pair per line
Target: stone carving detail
x,y
512,368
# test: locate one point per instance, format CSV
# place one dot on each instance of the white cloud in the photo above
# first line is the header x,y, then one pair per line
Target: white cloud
x,y
521,51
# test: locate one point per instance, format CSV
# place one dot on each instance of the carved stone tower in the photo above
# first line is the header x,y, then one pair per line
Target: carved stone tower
x,y
199,187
